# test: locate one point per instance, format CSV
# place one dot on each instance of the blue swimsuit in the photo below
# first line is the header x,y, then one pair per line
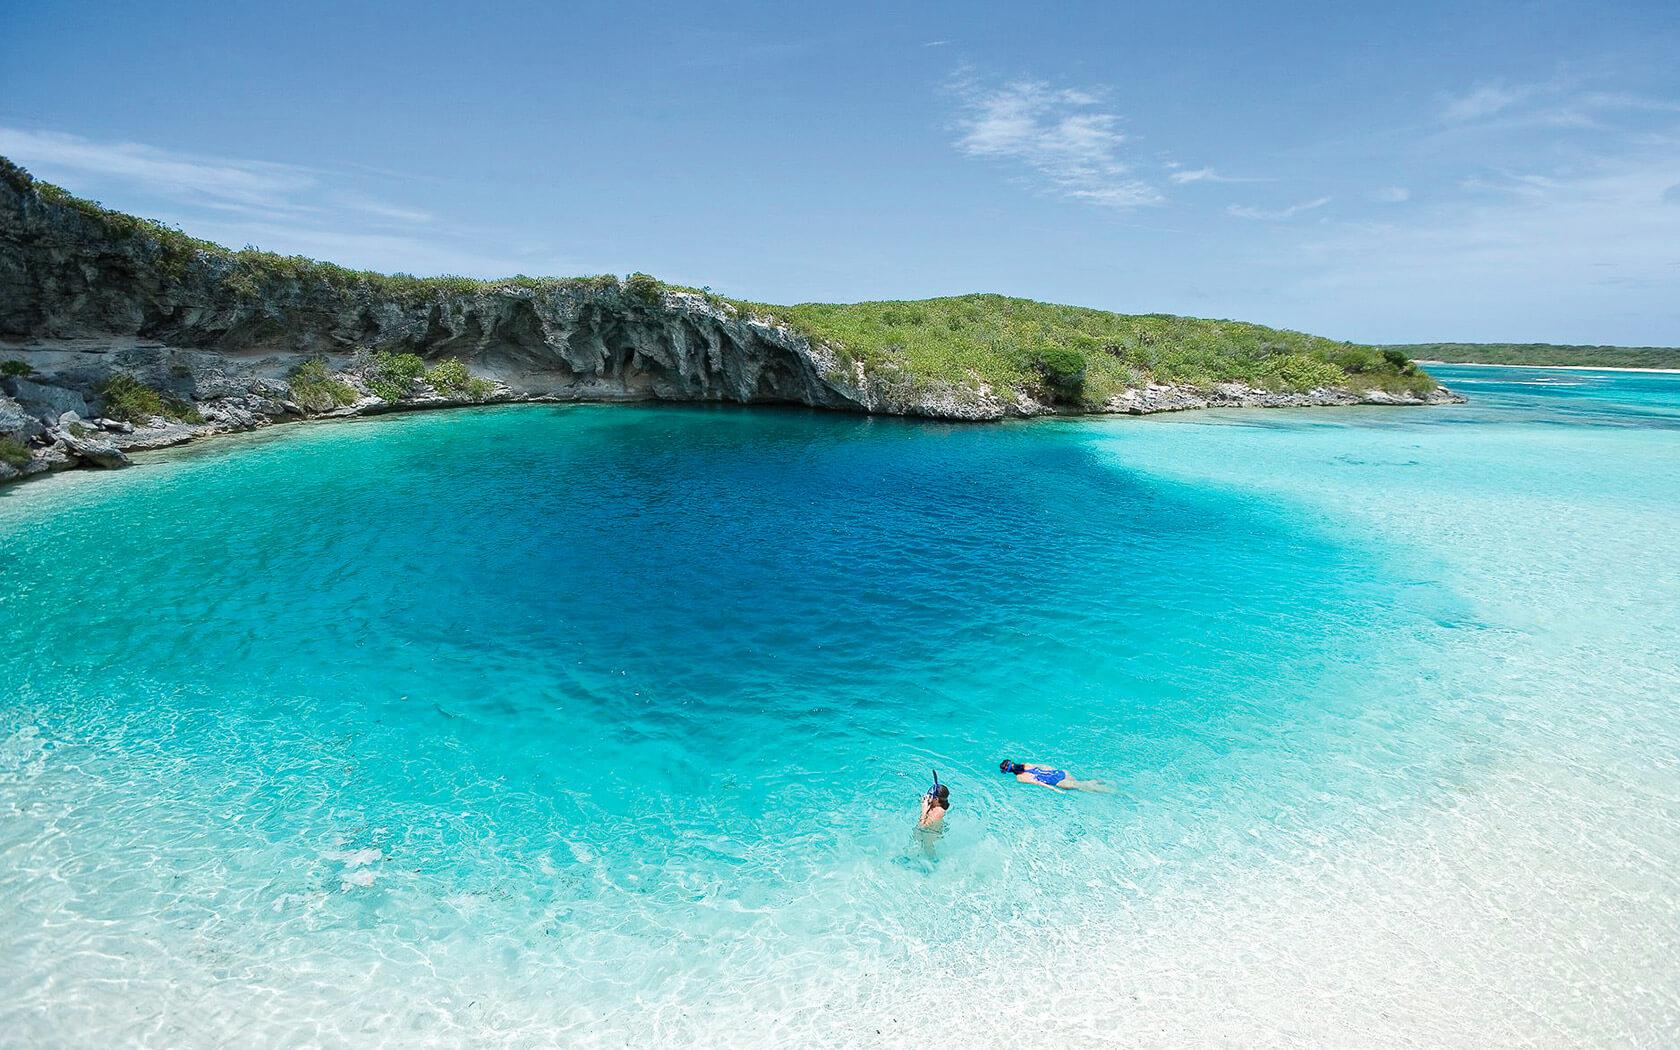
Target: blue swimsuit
x,y
1051,777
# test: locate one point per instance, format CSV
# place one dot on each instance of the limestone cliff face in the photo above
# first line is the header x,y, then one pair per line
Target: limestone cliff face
x,y
87,294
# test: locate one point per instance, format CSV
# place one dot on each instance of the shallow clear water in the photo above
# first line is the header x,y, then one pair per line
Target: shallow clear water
x,y
606,725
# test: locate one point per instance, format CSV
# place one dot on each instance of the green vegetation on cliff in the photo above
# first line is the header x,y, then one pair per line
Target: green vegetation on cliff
x,y
1545,354
315,388
13,452
129,399
451,378
1070,355
393,376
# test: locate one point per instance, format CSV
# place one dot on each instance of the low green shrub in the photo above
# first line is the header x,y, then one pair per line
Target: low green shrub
x,y
1293,371
129,399
316,389
451,377
643,288
1415,384
14,452
16,369
1063,372
393,376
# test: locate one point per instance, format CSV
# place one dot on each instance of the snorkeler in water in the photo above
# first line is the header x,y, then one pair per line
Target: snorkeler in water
x,y
936,801
1049,776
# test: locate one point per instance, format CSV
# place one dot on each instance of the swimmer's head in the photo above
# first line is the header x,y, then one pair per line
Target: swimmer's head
x,y
1007,766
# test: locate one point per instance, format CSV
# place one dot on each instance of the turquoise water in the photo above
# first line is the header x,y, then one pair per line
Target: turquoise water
x,y
606,725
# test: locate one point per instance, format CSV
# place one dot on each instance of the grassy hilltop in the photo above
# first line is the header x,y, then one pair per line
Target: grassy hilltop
x,y
1091,354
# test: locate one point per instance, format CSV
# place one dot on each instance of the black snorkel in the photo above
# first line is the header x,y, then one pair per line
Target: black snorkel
x,y
933,792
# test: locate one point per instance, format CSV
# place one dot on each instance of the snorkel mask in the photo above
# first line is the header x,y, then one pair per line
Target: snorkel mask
x,y
933,792
1007,766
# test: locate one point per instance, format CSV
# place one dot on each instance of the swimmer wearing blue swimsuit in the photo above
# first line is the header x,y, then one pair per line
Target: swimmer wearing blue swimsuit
x,y
1048,776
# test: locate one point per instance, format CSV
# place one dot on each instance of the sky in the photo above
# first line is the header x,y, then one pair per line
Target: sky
x,y
1499,171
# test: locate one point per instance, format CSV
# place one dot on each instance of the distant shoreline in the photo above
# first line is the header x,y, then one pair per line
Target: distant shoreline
x,y
1557,368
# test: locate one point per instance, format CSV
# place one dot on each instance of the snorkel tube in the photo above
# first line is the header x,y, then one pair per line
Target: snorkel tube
x,y
933,792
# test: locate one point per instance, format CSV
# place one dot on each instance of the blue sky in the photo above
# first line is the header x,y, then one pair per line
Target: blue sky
x,y
1420,171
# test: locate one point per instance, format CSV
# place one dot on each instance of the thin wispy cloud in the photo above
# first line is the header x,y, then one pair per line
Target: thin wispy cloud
x,y
1484,100
1530,185
1392,195
1554,242
261,189
1185,176
936,43
382,210
1560,103
1196,175
1243,211
1064,139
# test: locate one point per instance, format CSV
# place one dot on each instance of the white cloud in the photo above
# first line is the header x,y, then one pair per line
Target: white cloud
x,y
1243,211
936,43
1392,195
1060,135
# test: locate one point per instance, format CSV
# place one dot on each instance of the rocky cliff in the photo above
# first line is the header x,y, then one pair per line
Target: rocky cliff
x,y
117,333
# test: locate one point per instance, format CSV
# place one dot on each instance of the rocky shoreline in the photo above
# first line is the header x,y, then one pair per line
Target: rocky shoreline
x,y
55,412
